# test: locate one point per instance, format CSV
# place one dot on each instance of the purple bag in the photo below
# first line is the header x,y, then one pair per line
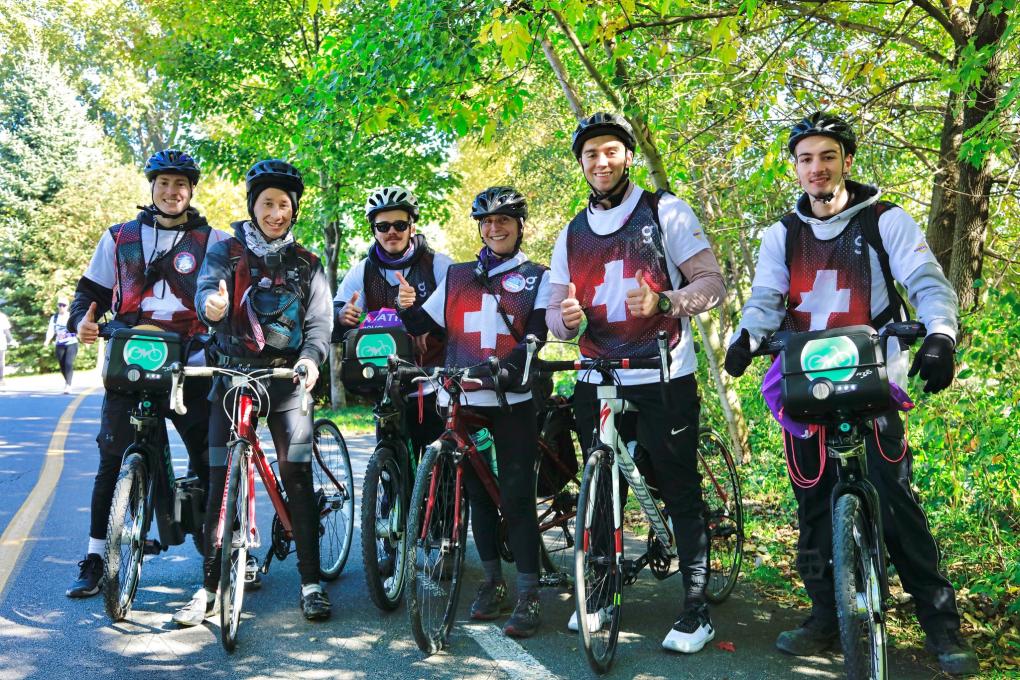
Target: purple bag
x,y
382,318
771,389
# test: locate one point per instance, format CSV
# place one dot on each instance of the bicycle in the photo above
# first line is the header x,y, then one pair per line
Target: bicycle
x,y
600,570
437,519
138,362
237,531
836,379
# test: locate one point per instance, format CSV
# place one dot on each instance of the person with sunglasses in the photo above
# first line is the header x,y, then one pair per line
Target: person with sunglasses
x,y
400,271
65,342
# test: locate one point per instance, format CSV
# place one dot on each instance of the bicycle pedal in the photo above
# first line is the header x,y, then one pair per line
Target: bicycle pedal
x,y
152,547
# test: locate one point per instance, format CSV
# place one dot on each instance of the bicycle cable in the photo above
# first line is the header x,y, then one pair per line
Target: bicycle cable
x,y
796,476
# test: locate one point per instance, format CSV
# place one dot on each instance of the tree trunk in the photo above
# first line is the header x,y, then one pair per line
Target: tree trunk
x,y
942,217
728,398
561,75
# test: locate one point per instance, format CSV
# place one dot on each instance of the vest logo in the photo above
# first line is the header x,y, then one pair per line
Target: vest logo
x,y
184,263
514,283
149,354
833,358
375,348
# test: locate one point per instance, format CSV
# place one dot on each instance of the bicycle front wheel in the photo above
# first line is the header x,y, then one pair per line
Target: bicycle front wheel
x,y
333,478
858,590
234,553
125,538
436,543
598,580
724,515
382,529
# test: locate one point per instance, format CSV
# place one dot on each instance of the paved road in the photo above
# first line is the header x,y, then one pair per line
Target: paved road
x,y
45,635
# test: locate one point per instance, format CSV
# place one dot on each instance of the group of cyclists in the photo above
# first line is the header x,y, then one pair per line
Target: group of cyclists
x,y
632,264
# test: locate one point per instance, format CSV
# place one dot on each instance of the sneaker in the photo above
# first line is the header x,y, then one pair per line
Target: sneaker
x,y
526,617
813,637
90,577
954,654
596,620
692,631
489,601
252,575
315,605
201,607
67,389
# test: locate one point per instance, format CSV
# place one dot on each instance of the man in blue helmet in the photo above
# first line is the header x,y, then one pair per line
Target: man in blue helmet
x,y
145,272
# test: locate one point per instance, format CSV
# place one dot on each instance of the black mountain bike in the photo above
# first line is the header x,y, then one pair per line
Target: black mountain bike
x,y
837,379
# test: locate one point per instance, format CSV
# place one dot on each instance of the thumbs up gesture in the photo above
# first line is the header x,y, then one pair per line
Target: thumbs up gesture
x,y
570,308
642,301
216,304
405,295
88,329
350,315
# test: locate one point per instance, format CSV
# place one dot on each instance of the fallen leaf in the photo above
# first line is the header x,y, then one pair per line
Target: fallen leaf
x,y
726,646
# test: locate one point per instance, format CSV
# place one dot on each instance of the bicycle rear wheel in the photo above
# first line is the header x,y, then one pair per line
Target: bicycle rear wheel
x,y
125,538
858,591
382,529
557,522
236,533
333,478
435,550
724,515
598,580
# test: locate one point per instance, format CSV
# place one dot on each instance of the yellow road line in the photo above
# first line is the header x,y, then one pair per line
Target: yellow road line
x,y
33,511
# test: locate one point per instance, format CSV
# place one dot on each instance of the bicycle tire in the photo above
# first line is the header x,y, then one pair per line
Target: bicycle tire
x,y
724,515
234,558
558,514
383,520
123,563
431,607
598,580
333,480
858,591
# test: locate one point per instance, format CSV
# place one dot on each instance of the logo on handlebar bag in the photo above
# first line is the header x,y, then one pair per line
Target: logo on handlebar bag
x,y
147,353
833,358
373,349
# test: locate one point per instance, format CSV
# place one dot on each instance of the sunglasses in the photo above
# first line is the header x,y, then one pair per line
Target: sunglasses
x,y
61,304
400,225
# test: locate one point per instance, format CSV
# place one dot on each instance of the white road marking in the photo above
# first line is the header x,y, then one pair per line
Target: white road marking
x,y
512,658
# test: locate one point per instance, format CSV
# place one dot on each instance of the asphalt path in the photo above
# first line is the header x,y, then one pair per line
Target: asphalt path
x,y
43,634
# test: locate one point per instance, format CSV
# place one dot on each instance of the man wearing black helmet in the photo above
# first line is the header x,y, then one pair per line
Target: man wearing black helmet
x,y
830,263
634,263
145,271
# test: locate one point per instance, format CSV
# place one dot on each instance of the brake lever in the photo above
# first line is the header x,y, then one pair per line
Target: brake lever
x,y
177,389
531,345
662,340
302,373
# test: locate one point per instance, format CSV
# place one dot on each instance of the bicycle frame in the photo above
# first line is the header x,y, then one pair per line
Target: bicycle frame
x,y
156,454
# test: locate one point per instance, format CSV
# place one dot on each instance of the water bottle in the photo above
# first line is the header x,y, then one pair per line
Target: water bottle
x,y
483,442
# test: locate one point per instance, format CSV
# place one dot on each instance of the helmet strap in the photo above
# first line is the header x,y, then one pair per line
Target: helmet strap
x,y
155,208
614,196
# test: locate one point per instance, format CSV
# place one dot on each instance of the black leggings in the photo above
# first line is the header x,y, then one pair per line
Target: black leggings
x,y
515,436
65,357
292,438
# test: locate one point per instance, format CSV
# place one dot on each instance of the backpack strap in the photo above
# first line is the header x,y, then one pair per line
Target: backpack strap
x,y
897,309
653,202
793,225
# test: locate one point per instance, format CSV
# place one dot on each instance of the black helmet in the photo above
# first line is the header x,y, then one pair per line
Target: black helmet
x,y
391,198
602,123
826,125
500,201
171,162
274,173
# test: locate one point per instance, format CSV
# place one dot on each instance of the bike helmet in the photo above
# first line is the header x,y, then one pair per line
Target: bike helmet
x,y
602,123
171,162
500,201
391,198
826,125
273,173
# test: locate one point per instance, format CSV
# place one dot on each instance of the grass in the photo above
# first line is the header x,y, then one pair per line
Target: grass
x,y
355,419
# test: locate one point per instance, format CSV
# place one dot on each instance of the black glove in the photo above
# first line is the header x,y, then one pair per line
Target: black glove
x,y
738,356
935,362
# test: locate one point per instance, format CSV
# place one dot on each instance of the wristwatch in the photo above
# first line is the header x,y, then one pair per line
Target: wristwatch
x,y
665,305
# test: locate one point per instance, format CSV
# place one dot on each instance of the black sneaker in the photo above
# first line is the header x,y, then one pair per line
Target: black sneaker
x,y
315,606
489,601
813,637
525,619
90,577
691,631
954,654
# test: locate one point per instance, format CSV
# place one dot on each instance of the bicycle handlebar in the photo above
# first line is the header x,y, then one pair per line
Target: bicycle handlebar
x,y
907,332
400,370
178,372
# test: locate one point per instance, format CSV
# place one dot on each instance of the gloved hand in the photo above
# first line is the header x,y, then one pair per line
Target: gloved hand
x,y
935,362
738,356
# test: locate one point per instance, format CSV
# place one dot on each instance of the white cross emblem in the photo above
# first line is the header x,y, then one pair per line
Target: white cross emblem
x,y
824,299
488,322
612,292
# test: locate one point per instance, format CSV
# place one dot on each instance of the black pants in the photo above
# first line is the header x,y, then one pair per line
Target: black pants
x,y
65,357
292,439
669,434
908,539
515,436
116,434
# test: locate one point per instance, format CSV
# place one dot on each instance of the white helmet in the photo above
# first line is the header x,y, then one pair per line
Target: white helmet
x,y
391,198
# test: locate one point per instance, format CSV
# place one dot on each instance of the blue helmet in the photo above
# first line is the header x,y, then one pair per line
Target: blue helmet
x,y
171,162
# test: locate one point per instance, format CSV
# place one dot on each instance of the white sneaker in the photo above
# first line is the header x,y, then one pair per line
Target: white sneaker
x,y
595,620
691,632
201,607
67,389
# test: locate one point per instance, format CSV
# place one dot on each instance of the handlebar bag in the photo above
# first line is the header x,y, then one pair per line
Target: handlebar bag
x,y
138,360
365,350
